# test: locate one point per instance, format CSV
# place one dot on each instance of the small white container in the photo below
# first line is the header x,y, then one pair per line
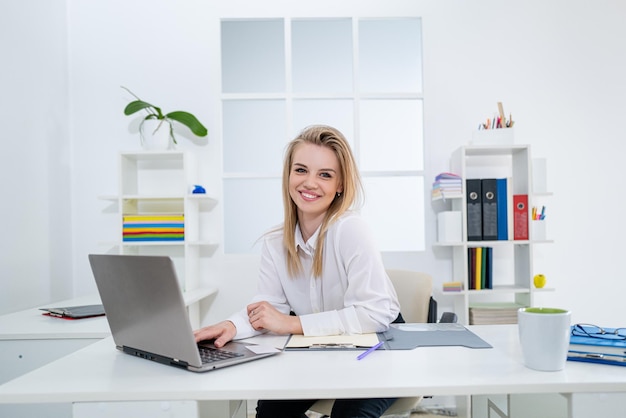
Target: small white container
x,y
538,230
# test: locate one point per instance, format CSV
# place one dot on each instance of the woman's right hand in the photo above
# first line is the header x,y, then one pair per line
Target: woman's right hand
x,y
222,332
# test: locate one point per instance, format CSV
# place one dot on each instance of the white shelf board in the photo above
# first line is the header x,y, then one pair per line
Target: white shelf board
x,y
196,295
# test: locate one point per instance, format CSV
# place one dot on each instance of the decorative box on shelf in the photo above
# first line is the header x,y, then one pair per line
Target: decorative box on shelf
x,y
450,227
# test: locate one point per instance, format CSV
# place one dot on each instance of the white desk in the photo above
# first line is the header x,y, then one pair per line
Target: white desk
x,y
30,324
101,373
29,339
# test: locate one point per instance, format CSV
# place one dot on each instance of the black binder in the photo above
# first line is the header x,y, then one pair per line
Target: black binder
x,y
490,209
474,210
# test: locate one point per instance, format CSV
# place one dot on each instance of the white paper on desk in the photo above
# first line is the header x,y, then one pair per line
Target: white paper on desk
x,y
357,340
262,349
269,339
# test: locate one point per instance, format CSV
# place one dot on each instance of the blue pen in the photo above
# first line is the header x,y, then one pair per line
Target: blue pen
x,y
362,355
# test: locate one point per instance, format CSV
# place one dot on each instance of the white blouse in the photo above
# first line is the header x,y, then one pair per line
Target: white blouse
x,y
354,294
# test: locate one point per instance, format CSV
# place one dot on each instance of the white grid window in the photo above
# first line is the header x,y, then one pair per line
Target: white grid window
x,y
362,76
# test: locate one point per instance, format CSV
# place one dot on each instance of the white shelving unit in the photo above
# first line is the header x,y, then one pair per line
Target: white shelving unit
x,y
513,259
161,182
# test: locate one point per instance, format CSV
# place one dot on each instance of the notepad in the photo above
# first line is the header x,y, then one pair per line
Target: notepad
x,y
333,341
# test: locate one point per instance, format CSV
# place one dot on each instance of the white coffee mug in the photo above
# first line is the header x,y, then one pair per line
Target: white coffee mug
x,y
544,335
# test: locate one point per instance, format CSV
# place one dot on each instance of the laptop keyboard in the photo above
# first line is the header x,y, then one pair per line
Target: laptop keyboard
x,y
211,354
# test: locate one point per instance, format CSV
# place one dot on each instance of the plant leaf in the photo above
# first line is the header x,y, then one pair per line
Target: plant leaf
x,y
137,105
189,121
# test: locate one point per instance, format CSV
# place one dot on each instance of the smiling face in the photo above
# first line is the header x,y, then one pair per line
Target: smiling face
x,y
314,181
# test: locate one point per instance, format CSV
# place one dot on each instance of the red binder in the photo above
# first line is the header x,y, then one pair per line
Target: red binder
x,y
520,217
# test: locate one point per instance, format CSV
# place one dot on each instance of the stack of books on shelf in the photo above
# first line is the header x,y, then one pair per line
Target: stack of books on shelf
x,y
153,227
493,313
455,286
447,186
480,268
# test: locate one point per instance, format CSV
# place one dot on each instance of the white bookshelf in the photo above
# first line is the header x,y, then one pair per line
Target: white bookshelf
x,y
161,182
513,267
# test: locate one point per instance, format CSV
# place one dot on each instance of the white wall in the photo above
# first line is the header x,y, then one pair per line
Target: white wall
x,y
558,66
35,170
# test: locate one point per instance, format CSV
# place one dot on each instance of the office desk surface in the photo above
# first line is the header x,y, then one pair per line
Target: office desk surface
x,y
101,373
30,324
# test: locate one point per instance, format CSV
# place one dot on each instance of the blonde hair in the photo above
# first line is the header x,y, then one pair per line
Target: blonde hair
x,y
350,197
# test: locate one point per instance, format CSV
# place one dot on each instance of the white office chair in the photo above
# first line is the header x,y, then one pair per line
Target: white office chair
x,y
414,290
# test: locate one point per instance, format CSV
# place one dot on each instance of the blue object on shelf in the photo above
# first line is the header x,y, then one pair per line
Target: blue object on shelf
x,y
198,189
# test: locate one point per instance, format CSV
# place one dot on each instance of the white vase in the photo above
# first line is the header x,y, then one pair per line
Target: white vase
x,y
155,135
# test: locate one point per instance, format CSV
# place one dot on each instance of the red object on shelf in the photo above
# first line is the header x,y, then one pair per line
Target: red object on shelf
x,y
520,217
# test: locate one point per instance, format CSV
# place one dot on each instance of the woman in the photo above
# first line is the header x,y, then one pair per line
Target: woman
x,y
320,273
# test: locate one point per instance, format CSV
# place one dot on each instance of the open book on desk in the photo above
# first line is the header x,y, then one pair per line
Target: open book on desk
x,y
397,337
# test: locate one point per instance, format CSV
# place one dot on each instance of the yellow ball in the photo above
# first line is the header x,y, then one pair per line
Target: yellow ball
x,y
539,280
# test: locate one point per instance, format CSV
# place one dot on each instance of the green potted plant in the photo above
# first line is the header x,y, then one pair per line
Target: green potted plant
x,y
160,124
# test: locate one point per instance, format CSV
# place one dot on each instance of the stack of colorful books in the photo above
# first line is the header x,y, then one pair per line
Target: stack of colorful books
x,y
447,186
480,268
452,286
153,228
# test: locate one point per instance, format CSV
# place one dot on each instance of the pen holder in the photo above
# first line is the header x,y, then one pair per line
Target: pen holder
x,y
538,230
502,136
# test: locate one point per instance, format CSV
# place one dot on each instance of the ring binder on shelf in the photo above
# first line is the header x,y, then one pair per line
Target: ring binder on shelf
x,y
474,210
520,217
489,193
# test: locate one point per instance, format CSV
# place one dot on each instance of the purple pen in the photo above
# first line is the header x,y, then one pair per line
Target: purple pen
x,y
374,348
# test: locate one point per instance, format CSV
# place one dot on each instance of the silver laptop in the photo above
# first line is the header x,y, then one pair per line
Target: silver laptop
x,y
148,318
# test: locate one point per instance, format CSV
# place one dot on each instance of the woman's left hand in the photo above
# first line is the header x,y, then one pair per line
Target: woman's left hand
x,y
264,316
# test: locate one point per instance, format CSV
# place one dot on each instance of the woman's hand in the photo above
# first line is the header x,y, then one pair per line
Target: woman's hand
x,y
222,332
263,316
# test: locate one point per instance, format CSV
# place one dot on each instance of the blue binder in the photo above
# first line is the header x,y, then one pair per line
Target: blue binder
x,y
503,218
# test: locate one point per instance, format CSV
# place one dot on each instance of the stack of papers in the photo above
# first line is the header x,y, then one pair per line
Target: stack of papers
x,y
447,186
493,313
